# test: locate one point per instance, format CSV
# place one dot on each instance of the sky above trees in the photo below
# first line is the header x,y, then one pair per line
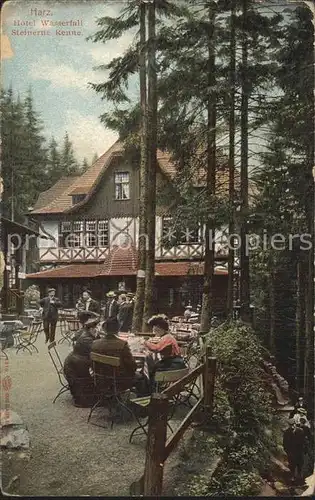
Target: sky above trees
x,y
58,69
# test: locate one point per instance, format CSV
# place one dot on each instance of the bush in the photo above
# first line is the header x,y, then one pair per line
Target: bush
x,y
31,296
242,407
222,410
239,355
237,483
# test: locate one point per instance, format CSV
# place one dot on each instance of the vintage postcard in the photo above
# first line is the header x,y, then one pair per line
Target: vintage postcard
x,y
157,248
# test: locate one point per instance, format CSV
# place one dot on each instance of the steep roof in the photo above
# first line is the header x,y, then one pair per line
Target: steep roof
x,y
58,199
84,183
47,197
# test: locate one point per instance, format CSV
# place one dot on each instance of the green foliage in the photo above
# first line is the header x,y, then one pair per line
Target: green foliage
x,y
222,410
68,163
28,165
31,296
285,203
239,355
242,412
236,483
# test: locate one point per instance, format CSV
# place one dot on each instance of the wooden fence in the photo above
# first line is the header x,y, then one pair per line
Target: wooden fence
x,y
158,447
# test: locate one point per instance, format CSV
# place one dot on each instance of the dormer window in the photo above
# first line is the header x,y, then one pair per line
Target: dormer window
x,y
77,198
122,186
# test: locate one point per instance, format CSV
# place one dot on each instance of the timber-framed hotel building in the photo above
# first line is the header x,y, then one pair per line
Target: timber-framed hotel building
x,y
90,226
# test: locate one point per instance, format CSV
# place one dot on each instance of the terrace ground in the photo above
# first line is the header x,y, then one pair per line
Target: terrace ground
x,y
67,456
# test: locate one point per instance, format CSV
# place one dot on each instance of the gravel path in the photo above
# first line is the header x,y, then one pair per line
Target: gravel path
x,y
68,456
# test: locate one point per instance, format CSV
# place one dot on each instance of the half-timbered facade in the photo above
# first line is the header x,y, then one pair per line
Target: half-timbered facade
x,y
91,229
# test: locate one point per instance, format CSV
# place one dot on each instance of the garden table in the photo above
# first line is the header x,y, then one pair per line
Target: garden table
x,y
140,353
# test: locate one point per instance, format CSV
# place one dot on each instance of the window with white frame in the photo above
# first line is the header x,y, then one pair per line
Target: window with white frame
x,y
71,234
90,237
103,233
76,236
91,233
122,186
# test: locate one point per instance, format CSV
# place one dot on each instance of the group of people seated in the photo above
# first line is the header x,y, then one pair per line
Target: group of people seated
x,y
298,443
102,338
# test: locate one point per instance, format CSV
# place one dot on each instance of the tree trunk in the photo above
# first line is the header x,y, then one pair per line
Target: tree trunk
x,y
207,298
142,241
299,335
310,211
230,293
272,311
244,257
309,300
152,145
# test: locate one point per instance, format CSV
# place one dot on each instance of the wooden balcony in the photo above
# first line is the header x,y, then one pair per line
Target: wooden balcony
x,y
78,254
187,252
96,254
193,251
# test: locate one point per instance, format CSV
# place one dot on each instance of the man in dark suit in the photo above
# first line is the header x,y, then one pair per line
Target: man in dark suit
x,y
294,446
86,303
77,365
112,345
125,313
50,306
112,306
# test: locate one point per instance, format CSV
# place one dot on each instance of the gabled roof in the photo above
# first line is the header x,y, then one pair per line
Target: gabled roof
x,y
163,159
58,198
46,198
84,183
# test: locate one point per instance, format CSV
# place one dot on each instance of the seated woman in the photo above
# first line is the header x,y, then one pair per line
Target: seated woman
x,y
77,365
112,345
167,347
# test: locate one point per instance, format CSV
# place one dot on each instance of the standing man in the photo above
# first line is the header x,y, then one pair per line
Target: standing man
x,y
112,306
50,306
294,446
125,314
131,306
86,303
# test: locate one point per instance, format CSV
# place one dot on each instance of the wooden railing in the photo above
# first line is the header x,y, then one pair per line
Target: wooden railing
x,y
158,447
76,254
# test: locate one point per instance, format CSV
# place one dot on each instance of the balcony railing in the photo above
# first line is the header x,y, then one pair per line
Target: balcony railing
x,y
192,251
76,254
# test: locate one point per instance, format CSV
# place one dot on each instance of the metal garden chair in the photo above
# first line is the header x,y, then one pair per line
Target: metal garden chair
x,y
73,326
56,361
3,354
65,331
106,387
26,339
162,379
